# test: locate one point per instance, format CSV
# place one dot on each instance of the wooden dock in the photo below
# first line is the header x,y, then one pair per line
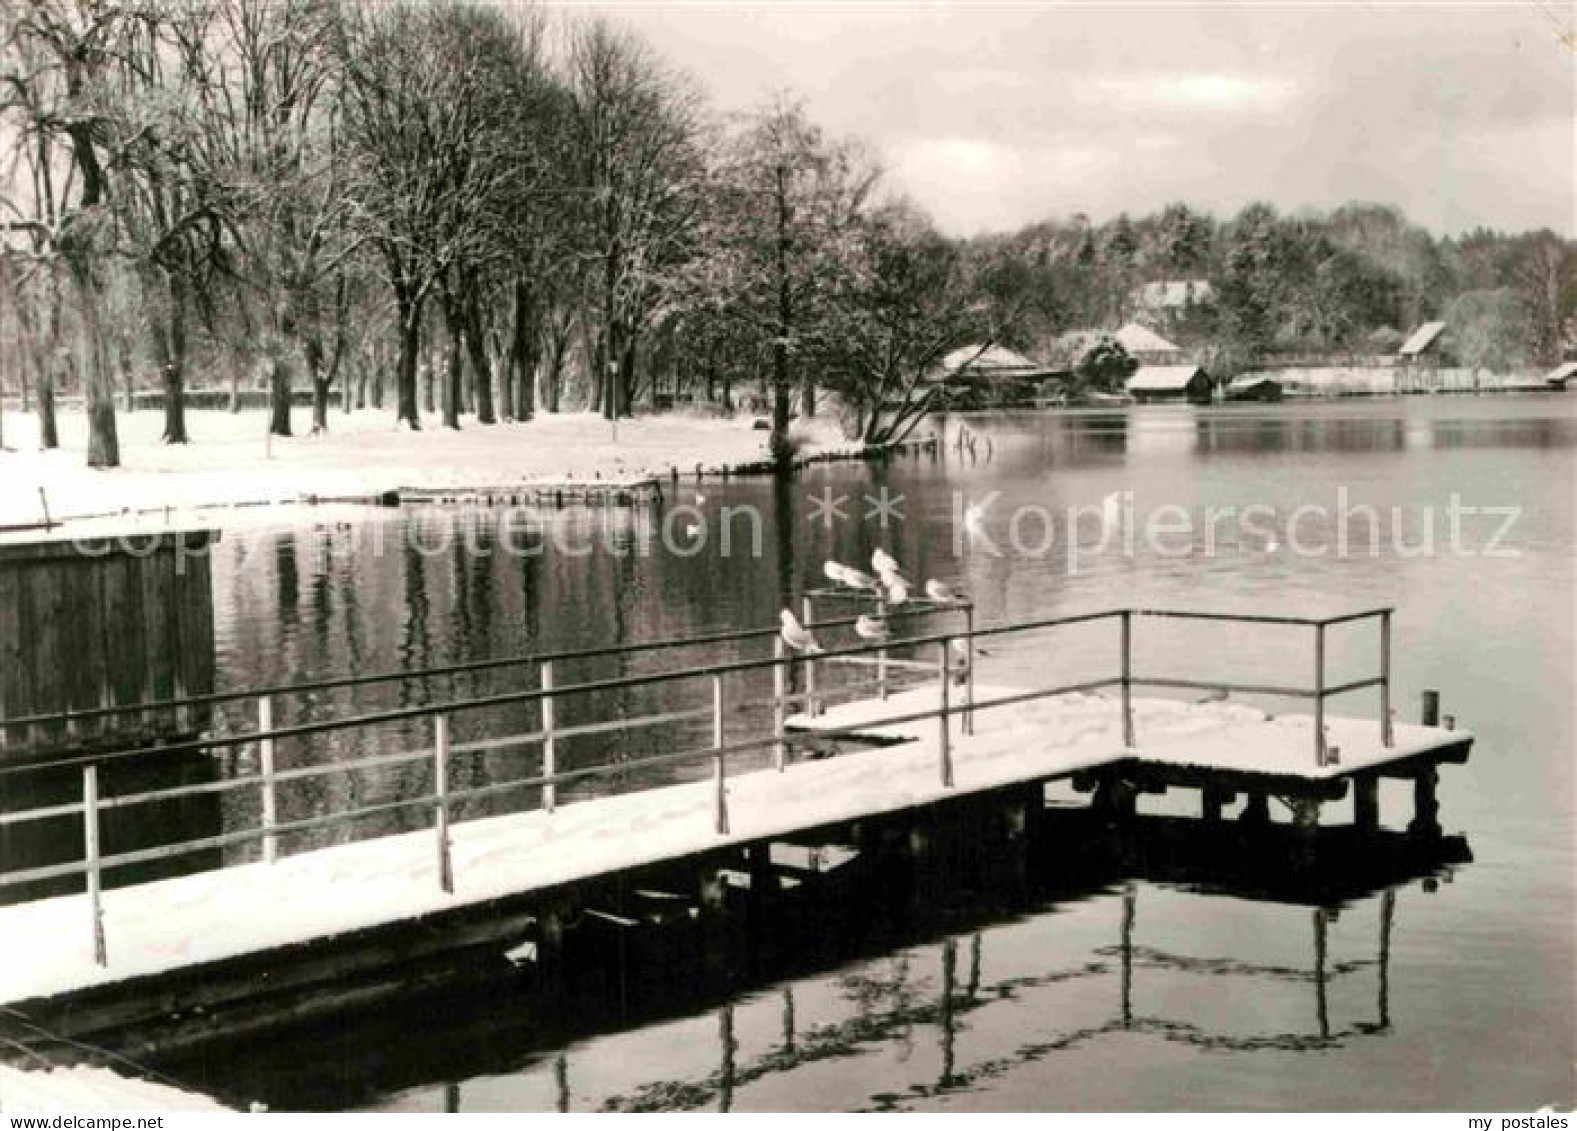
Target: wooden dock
x,y
937,745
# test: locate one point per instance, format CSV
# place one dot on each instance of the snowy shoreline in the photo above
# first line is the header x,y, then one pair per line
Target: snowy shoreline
x,y
363,456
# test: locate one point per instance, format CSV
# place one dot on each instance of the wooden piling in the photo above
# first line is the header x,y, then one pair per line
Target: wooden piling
x,y
1211,801
1127,678
1426,806
1320,753
1366,802
1429,711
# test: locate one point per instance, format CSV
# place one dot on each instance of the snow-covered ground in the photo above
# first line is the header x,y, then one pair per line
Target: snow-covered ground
x,y
229,460
174,923
85,1089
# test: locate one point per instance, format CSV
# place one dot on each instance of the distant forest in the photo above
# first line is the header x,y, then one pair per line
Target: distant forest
x,y
1353,281
485,211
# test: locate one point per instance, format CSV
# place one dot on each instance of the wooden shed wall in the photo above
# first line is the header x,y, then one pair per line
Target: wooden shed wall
x,y
93,623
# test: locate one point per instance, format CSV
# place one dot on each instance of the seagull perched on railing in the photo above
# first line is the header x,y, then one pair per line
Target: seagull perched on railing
x,y
884,563
835,571
855,579
897,589
943,593
796,635
869,628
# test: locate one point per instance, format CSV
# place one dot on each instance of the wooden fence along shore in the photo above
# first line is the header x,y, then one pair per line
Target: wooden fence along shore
x,y
936,739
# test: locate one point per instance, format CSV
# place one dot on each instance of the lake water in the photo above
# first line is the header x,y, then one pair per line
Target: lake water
x,y
1218,1008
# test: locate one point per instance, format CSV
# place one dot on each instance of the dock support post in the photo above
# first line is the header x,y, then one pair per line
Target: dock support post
x,y
1256,810
441,798
1429,711
758,862
1127,678
1426,806
90,846
944,747
719,772
779,671
809,611
1211,800
969,669
711,895
1319,695
265,760
1366,802
1387,737
549,743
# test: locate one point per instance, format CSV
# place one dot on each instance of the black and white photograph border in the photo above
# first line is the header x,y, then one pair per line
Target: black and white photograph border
x,y
787,557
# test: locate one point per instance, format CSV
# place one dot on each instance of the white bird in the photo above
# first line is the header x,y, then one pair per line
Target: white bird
x,y
855,579
835,571
943,593
796,635
974,514
1272,546
869,628
700,499
897,588
883,562
691,530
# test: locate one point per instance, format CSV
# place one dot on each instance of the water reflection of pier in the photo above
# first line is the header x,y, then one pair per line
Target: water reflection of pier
x,y
813,981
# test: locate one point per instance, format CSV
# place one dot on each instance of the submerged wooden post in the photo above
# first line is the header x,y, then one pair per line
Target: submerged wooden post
x,y
549,743
1366,802
1319,695
90,855
719,773
808,607
1429,711
944,748
969,669
779,670
1387,736
1127,678
265,759
1426,807
441,797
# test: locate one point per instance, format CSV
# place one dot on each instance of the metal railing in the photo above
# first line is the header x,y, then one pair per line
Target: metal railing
x,y
444,797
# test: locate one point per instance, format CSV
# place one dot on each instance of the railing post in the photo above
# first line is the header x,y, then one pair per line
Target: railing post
x,y
549,743
719,772
969,670
1319,694
1387,737
265,760
808,607
944,738
779,672
881,653
441,797
1127,678
90,855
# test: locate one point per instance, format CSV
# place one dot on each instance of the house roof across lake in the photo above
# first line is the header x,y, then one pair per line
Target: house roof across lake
x,y
1137,339
1173,294
1163,378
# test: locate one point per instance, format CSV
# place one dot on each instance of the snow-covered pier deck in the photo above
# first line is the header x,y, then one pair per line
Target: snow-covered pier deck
x,y
508,884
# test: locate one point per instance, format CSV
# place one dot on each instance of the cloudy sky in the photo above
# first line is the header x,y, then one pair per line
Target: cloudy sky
x,y
996,114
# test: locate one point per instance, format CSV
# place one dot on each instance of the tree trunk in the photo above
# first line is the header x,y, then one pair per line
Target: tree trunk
x,y
481,364
98,386
522,351
279,396
454,366
172,368
123,356
405,371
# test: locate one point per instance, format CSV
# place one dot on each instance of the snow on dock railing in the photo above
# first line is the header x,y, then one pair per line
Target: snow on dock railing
x,y
444,797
